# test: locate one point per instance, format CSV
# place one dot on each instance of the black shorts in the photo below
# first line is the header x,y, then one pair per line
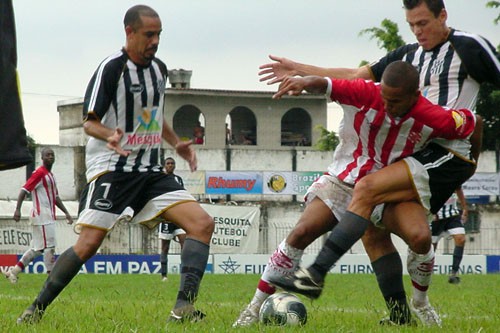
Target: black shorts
x,y
440,226
447,172
141,196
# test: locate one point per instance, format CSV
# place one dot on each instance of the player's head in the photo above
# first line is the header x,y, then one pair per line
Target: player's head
x,y
427,20
399,88
48,157
143,29
169,165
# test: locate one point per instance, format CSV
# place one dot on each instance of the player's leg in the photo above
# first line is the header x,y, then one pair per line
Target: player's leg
x,y
316,220
181,238
37,245
410,222
66,268
165,246
388,267
49,253
26,258
199,227
457,231
390,184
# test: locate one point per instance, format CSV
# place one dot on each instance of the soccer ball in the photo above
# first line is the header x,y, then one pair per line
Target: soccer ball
x,y
283,309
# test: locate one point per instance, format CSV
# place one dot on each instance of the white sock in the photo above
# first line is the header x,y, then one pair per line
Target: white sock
x,y
420,268
284,261
49,258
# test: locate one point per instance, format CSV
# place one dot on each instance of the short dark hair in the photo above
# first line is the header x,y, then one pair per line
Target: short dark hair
x,y
401,74
167,159
44,150
435,6
133,15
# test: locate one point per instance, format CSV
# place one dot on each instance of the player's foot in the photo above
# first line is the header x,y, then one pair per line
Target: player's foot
x,y
185,313
164,279
30,316
300,282
247,317
426,313
453,278
11,275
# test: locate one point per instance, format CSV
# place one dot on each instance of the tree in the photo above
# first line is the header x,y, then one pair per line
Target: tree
x,y
488,102
328,140
494,4
388,37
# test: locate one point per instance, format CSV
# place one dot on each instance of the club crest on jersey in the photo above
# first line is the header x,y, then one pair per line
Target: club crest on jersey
x,y
458,117
437,67
147,120
414,137
136,88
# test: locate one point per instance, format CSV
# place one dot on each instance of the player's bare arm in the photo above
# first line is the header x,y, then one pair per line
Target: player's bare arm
x,y
97,130
294,86
183,148
276,71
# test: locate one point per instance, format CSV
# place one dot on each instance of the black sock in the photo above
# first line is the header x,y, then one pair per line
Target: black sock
x,y
349,230
458,254
163,264
389,272
66,268
194,257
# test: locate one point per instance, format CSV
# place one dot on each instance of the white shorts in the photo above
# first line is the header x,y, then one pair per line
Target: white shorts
x,y
169,231
333,192
44,236
420,178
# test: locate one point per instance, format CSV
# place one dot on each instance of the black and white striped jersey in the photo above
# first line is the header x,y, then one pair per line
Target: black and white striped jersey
x,y
450,74
128,96
449,209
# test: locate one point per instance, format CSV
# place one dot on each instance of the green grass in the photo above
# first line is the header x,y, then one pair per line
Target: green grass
x,y
141,303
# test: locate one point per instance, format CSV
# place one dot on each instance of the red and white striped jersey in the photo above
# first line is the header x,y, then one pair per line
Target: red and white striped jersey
x,y
450,73
370,138
43,189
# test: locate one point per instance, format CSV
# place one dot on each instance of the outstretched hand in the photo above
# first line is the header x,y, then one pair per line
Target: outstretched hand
x,y
114,142
186,151
292,86
276,71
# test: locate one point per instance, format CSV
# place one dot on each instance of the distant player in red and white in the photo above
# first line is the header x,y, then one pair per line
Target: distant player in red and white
x,y
42,186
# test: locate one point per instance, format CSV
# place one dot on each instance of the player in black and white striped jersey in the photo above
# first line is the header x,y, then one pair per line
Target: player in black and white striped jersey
x,y
168,231
452,65
123,116
449,221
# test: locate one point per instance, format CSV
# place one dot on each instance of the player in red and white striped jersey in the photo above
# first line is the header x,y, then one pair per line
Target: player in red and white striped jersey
x,y
380,126
44,194
452,65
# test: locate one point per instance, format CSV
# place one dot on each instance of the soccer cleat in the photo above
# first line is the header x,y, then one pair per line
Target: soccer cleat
x,y
247,317
300,282
426,313
30,316
11,275
164,279
185,313
453,279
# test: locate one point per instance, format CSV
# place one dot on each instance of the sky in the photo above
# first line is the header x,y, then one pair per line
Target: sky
x,y
61,42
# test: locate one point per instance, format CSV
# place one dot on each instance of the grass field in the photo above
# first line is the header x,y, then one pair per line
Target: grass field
x,y
141,303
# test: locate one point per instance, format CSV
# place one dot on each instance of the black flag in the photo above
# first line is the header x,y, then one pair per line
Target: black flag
x,y
13,143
